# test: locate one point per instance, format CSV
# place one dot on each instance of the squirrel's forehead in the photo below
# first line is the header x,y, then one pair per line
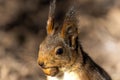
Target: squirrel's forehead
x,y
51,42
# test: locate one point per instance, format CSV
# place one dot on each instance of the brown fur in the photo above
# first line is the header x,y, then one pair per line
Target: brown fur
x,y
72,59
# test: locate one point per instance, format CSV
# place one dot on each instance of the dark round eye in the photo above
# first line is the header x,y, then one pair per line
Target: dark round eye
x,y
59,51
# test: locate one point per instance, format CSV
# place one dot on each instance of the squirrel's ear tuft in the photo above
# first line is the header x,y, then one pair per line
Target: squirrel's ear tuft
x,y
50,22
69,31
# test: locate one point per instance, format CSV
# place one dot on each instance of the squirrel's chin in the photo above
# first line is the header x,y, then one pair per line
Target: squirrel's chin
x,y
51,71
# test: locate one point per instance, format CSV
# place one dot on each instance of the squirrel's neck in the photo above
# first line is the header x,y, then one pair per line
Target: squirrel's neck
x,y
89,67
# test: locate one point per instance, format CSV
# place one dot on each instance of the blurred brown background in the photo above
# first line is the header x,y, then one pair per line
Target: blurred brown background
x,y
22,28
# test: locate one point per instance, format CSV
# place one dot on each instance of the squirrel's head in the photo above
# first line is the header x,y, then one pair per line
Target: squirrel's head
x,y
59,49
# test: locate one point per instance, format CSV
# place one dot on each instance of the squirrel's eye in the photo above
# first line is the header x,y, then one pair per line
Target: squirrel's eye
x,y
59,51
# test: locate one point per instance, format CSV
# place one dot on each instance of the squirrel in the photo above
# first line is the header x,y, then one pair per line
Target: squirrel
x,y
61,56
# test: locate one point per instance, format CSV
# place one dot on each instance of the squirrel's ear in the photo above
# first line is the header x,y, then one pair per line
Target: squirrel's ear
x,y
50,22
69,33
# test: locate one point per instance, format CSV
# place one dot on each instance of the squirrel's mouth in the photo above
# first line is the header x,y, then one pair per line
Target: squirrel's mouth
x,y
51,71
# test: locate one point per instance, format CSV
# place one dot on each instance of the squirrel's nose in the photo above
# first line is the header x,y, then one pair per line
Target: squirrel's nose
x,y
42,64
